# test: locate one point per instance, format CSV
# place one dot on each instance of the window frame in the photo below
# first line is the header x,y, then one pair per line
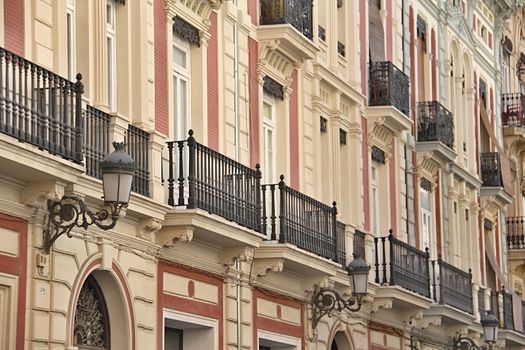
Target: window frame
x,y
111,50
179,73
269,124
71,39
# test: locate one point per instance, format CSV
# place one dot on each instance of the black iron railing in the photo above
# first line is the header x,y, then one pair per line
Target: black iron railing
x,y
513,109
508,313
341,243
516,232
292,217
481,302
40,107
137,147
398,263
452,286
298,13
435,123
490,169
388,86
96,140
208,180
359,244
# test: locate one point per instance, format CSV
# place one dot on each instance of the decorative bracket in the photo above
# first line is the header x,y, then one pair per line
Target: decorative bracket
x,y
326,301
71,212
464,343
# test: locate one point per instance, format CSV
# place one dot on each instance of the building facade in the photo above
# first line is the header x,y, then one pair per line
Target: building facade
x,y
274,141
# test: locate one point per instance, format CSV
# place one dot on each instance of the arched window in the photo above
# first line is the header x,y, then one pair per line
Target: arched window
x,y
91,329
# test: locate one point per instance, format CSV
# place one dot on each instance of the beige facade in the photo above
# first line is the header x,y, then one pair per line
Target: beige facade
x,y
381,116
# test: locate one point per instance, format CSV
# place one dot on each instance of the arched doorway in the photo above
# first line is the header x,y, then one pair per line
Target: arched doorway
x,y
340,342
91,327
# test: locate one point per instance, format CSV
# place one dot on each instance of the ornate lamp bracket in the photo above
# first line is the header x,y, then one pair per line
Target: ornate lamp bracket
x,y
70,212
464,343
326,301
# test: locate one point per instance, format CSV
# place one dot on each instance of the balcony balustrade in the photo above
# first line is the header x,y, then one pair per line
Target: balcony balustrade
x,y
96,140
290,216
513,108
388,86
298,13
491,169
40,107
210,181
398,263
137,147
516,232
435,123
452,286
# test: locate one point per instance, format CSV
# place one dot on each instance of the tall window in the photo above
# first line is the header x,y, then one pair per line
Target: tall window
x,y
111,53
427,230
375,199
71,44
269,139
181,87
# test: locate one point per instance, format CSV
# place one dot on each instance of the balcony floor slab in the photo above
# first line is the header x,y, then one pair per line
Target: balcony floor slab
x,y
450,315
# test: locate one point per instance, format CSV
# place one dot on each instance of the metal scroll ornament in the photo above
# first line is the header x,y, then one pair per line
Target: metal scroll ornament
x,y
463,343
91,321
326,301
71,212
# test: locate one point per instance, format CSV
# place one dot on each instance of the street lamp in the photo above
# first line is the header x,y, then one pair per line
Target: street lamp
x,y
325,301
490,329
70,211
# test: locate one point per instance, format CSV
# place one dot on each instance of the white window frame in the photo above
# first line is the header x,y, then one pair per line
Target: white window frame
x,y
374,195
286,342
111,54
71,39
427,233
197,320
181,125
269,126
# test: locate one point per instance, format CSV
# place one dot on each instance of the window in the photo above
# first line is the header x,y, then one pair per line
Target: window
x,y
268,114
173,338
275,341
181,87
427,239
375,199
111,53
71,42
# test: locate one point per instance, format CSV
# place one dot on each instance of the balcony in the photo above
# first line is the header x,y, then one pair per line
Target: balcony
x,y
43,111
137,147
289,216
513,108
490,169
96,140
511,333
515,233
402,271
388,103
297,13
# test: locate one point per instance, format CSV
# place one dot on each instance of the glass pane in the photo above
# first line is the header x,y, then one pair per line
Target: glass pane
x,y
110,71
183,105
69,46
173,339
267,111
109,15
179,57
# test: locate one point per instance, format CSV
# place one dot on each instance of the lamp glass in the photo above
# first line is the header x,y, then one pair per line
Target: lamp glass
x,y
117,186
359,283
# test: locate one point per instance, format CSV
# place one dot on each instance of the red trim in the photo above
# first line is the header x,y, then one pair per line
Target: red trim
x,y
481,247
363,41
275,326
17,266
393,188
215,311
253,58
390,32
213,85
14,26
366,180
252,10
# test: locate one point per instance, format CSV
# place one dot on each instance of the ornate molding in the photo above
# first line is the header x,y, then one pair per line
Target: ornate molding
x,y
230,255
273,88
147,228
262,267
37,194
168,236
186,31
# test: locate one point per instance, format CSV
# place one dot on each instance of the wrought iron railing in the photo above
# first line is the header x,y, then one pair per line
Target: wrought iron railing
x,y
490,169
137,147
341,243
199,177
435,123
388,86
452,286
481,302
398,263
513,110
508,312
40,107
516,232
290,216
96,139
494,302
298,13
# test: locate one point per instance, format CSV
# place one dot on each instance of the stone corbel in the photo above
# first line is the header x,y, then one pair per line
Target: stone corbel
x,y
489,207
230,255
168,236
37,194
381,303
427,321
381,133
262,267
147,228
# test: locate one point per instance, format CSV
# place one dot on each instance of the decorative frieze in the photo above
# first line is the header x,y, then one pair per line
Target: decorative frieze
x,y
186,31
273,88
